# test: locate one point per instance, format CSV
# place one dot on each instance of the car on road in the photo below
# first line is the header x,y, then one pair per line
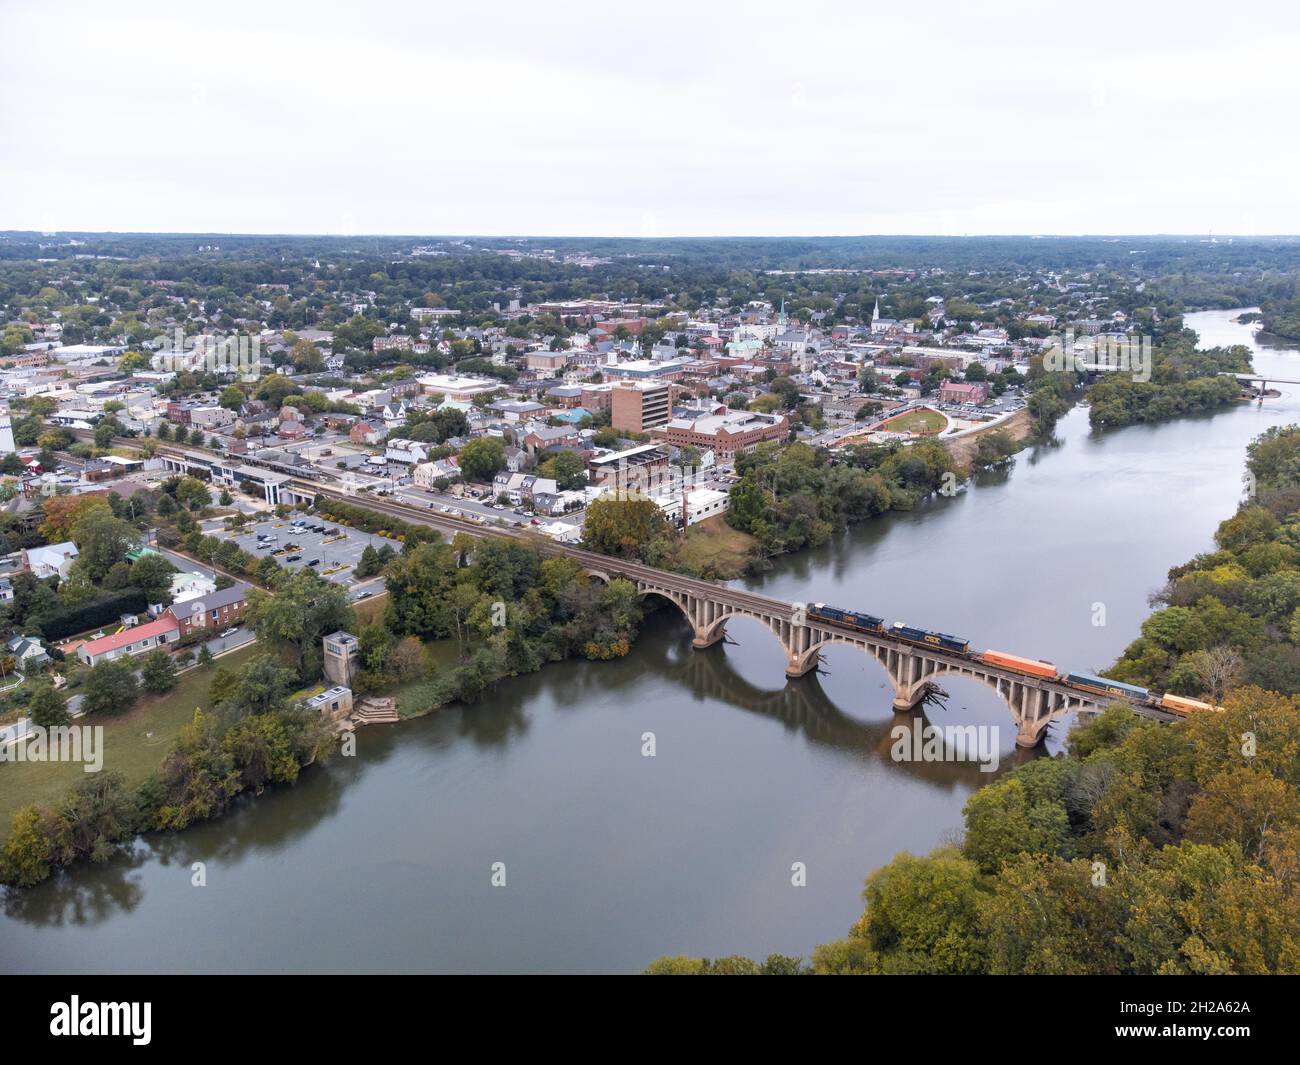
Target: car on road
x,y
229,632
294,558
314,562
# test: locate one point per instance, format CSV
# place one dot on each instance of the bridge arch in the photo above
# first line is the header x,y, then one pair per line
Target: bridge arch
x,y
675,600
715,628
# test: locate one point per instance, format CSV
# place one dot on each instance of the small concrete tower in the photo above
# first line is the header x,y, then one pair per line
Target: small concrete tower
x,y
340,652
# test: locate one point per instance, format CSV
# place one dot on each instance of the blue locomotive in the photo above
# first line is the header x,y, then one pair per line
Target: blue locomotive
x,y
849,619
956,644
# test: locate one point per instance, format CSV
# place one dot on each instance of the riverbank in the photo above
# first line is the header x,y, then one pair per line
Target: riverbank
x,y
693,846
134,742
1169,827
1019,428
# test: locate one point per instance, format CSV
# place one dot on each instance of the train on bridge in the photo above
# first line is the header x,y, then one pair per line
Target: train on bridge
x,y
957,646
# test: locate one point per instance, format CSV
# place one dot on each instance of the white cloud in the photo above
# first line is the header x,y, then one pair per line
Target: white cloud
x,y
671,118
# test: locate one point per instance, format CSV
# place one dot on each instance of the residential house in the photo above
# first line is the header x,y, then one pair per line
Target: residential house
x,y
363,432
27,651
137,640
49,561
411,452
217,609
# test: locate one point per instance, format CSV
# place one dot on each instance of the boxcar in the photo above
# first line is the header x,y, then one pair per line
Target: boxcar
x,y
1030,666
1106,686
1177,704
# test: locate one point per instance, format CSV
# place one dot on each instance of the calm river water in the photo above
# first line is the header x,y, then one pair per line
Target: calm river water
x,y
383,862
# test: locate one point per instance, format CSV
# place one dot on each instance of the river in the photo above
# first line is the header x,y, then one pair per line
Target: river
x,y
384,862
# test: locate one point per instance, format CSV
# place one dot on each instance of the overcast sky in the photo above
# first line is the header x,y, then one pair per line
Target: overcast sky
x,y
655,119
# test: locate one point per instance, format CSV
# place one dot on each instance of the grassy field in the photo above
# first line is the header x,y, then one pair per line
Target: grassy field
x,y
413,696
916,421
714,548
134,743
368,611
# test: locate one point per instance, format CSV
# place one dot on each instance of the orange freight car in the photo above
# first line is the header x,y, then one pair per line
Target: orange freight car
x,y
1030,666
1179,705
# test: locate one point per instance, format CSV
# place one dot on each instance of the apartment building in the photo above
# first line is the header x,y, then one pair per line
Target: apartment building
x,y
639,406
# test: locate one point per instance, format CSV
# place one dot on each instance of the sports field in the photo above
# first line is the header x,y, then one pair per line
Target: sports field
x,y
916,421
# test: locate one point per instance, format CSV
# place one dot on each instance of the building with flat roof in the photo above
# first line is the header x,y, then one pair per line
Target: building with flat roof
x,y
724,434
639,406
457,387
272,485
634,468
646,369
701,503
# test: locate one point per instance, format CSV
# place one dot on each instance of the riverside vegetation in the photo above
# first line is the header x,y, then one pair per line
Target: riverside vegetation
x,y
1150,847
508,609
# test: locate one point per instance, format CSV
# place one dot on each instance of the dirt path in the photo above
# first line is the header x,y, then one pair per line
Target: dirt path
x,y
1019,427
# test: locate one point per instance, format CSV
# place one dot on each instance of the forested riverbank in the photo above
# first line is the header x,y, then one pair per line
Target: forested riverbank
x,y
509,610
1150,848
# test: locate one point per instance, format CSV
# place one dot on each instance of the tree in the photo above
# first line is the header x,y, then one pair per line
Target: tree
x,y
105,431
29,850
61,514
102,541
368,564
1217,668
48,707
260,687
408,658
482,457
157,672
567,469
625,527
204,657
375,645
152,574
302,610
110,687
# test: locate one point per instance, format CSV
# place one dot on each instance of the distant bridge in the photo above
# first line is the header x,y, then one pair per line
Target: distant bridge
x,y
708,605
1245,378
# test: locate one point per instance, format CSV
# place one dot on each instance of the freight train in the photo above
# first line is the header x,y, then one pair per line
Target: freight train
x,y
956,645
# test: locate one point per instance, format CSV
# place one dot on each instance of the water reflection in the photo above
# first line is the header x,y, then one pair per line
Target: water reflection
x,y
616,858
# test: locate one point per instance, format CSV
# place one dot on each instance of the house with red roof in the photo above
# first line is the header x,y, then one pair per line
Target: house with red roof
x,y
136,640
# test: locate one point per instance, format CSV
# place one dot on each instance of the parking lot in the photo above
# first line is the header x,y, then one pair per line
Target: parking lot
x,y
336,550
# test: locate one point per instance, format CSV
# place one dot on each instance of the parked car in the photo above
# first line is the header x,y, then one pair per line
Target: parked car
x,y
230,632
294,558
314,562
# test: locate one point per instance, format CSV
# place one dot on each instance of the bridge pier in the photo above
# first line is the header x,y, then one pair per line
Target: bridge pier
x,y
907,698
1033,715
801,653
800,665
912,668
708,638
